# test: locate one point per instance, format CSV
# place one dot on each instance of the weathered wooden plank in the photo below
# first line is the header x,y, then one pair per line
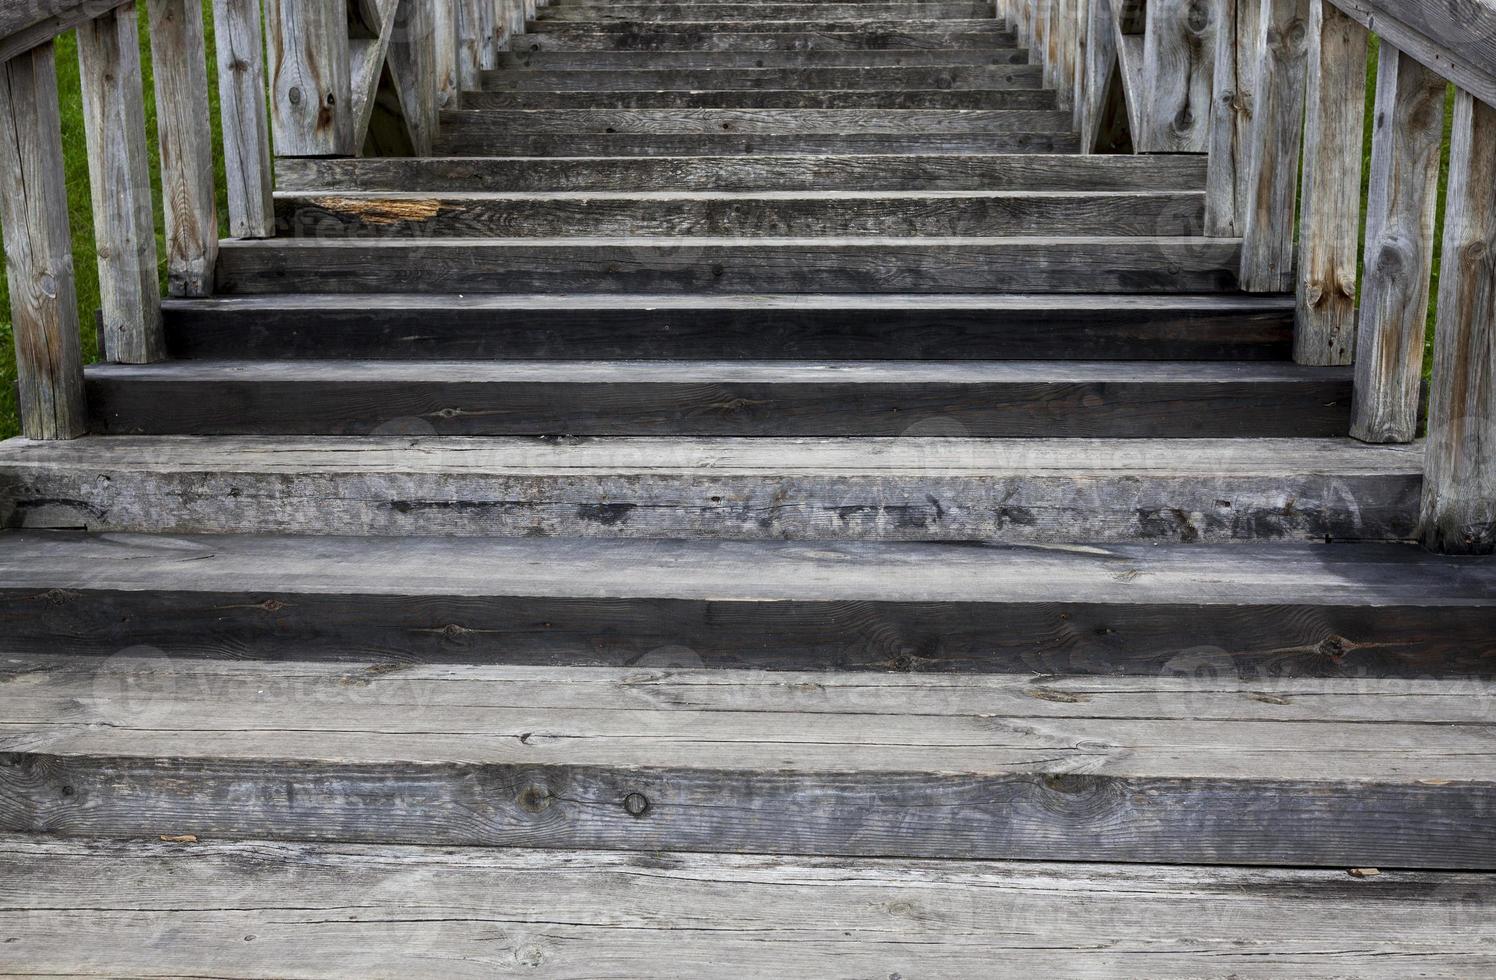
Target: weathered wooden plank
x,y
787,327
446,66
1400,212
1178,73
910,489
240,45
1235,88
728,398
746,28
804,916
806,79
1330,216
1455,40
769,99
474,125
462,141
807,42
651,13
38,249
31,24
744,215
120,182
412,64
311,102
986,56
1351,610
368,61
1277,138
470,27
185,129
914,171
1459,509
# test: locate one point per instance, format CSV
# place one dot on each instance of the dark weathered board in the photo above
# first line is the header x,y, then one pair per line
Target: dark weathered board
x,y
758,13
993,399
930,123
780,327
522,57
741,32
461,141
807,38
804,79
441,913
1353,611
732,265
927,171
918,488
839,214
933,98
153,748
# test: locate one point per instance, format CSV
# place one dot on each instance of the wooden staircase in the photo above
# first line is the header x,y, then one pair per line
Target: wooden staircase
x,y
757,475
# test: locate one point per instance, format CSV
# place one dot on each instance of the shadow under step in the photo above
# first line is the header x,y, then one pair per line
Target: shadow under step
x,y
929,486
640,80
1228,327
731,265
423,909
917,768
763,214
925,171
1107,399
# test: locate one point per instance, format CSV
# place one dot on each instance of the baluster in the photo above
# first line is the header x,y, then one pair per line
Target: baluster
x,y
311,77
38,248
120,183
1459,487
1178,47
1237,36
245,116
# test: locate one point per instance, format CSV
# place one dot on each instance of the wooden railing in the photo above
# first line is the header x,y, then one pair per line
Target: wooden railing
x,y
336,78
1274,91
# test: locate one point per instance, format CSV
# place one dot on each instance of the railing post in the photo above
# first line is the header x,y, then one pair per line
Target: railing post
x,y
1178,65
1330,222
179,53
120,181
444,41
311,105
1232,112
1459,487
243,110
1401,210
1272,183
412,63
38,248
470,43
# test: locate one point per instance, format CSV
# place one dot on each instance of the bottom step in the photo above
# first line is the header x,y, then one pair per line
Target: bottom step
x,y
90,907
1211,770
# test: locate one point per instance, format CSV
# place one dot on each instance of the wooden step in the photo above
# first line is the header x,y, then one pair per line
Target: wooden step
x,y
811,79
1018,399
837,214
485,142
810,38
741,33
796,327
761,12
1255,611
732,265
928,486
932,123
897,172
441,913
456,757
1009,99
526,56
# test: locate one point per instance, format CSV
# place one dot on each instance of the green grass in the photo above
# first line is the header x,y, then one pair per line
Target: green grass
x,y
80,208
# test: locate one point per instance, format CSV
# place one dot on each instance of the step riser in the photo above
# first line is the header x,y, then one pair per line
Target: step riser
x,y
930,124
665,12
820,59
1023,172
806,80
126,403
931,30
473,143
1014,100
289,330
376,218
933,816
1000,266
978,46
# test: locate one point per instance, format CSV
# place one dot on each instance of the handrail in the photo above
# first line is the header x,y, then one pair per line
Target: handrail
x,y
344,77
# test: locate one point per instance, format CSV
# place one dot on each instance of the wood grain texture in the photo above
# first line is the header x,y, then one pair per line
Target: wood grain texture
x,y
1099,69
522,57
649,13
918,488
714,98
445,66
1232,112
120,183
470,44
1401,208
783,327
1330,212
460,141
808,916
240,45
1459,508
730,265
932,123
413,67
185,131
1178,72
804,79
33,23
1454,39
975,44
311,87
1277,137
38,249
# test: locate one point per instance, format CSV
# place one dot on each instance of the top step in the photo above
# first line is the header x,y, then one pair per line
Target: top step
x,y
873,10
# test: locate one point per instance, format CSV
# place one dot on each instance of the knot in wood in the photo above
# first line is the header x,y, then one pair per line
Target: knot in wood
x,y
636,804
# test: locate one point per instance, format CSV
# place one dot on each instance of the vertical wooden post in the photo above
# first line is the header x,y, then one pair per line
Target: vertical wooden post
x,y
412,63
242,108
1277,136
490,23
1100,66
1400,213
470,44
184,127
444,53
1232,111
38,249
1178,72
1459,487
311,103
1082,68
120,181
1330,222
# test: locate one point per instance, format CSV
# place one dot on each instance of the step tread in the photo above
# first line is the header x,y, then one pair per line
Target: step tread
x,y
931,123
432,912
